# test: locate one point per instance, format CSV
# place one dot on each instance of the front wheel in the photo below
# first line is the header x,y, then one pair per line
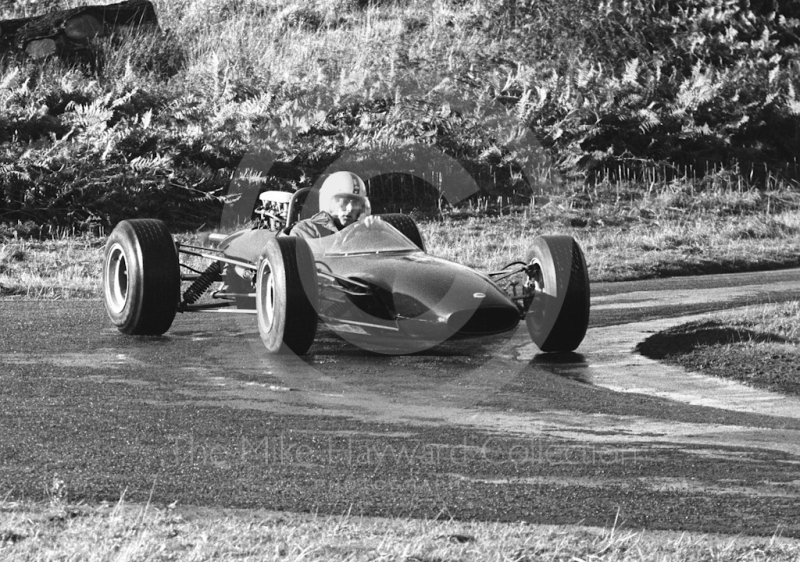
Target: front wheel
x,y
287,295
558,316
406,226
141,277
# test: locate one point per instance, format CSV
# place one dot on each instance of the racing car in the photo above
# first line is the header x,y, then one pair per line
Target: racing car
x,y
372,283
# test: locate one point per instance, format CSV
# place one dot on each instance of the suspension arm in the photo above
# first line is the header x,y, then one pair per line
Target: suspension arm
x,y
244,264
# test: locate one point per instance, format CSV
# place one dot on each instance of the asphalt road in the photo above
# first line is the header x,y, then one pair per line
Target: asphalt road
x,y
489,430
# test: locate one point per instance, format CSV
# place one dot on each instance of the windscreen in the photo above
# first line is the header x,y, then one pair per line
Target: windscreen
x,y
359,238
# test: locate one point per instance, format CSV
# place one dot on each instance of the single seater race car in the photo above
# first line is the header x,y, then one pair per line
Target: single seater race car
x,y
372,283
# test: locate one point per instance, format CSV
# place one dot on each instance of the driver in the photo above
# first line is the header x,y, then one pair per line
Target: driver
x,y
342,201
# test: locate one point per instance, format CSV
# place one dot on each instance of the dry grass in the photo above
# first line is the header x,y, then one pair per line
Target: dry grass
x,y
51,269
694,246
635,249
779,320
145,533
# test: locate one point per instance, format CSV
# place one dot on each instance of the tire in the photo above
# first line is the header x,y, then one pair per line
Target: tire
x,y
406,226
287,296
559,314
141,277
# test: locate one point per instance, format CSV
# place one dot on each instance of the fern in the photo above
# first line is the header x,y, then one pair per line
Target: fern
x,y
631,74
582,87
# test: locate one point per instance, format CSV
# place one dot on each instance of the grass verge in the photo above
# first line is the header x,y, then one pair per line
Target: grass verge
x,y
758,346
49,269
57,531
621,249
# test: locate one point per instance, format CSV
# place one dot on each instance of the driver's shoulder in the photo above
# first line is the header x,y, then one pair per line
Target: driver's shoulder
x,y
322,217
317,226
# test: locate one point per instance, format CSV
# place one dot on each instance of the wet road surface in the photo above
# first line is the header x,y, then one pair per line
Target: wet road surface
x,y
485,430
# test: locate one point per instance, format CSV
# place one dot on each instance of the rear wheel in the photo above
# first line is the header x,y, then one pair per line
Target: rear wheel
x,y
406,226
287,295
141,277
558,316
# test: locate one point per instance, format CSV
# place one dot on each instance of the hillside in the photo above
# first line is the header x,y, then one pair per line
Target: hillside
x,y
476,97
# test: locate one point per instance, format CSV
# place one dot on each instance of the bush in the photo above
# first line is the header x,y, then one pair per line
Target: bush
x,y
515,93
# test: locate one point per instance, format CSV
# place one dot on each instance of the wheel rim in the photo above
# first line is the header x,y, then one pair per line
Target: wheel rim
x,y
536,277
116,288
268,286
536,314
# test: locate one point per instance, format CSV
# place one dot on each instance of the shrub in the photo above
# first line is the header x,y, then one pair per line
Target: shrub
x,y
516,93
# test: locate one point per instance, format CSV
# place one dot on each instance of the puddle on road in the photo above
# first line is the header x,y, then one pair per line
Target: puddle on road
x,y
357,388
703,439
653,484
353,433
203,335
98,359
608,359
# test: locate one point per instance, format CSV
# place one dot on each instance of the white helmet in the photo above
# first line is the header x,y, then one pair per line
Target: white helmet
x,y
345,184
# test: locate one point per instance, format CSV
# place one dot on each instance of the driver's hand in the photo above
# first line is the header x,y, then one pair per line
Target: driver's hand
x,y
370,220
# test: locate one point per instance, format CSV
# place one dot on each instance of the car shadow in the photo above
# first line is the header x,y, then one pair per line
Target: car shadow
x,y
569,365
327,342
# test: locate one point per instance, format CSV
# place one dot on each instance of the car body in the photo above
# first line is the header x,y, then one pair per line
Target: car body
x,y
376,286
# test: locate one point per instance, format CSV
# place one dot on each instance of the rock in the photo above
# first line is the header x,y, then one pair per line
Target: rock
x,y
70,31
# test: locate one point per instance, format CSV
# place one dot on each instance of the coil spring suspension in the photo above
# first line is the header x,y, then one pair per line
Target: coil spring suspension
x,y
202,283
